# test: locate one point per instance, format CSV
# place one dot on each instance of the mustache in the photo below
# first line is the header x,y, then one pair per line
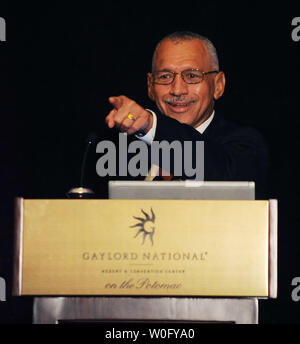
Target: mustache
x,y
177,99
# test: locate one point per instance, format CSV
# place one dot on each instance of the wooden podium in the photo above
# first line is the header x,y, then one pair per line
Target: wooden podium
x,y
146,260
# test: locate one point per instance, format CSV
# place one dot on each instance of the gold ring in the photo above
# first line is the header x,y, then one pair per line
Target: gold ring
x,y
130,116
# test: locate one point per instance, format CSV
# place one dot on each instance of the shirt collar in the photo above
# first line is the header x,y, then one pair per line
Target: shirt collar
x,y
202,127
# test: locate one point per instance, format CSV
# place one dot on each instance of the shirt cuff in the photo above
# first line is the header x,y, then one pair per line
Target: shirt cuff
x,y
149,137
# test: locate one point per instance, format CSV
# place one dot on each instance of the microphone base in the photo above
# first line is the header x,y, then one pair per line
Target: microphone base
x,y
80,193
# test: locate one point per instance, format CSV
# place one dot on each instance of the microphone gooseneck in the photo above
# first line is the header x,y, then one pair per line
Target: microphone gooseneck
x,y
81,191
92,138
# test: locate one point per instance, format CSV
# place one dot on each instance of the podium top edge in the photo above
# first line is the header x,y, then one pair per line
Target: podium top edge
x,y
20,199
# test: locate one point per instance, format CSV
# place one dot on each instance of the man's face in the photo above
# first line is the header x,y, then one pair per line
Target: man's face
x,y
191,104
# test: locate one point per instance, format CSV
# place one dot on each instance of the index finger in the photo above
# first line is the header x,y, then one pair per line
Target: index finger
x,y
117,102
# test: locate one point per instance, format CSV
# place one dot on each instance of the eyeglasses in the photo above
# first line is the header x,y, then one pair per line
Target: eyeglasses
x,y
190,76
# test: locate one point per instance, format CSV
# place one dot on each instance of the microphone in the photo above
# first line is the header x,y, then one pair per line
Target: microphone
x,y
81,191
92,138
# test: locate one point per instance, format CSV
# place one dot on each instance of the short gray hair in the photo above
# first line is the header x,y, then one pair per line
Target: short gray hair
x,y
185,36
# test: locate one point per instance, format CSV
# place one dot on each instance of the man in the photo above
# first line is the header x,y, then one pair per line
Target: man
x,y
185,83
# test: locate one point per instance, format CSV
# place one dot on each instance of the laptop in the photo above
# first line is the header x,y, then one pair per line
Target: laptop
x,y
187,189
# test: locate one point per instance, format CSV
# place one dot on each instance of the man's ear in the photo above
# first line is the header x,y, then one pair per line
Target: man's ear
x,y
220,82
150,86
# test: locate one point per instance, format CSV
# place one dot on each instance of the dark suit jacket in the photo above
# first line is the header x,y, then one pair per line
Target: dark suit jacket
x,y
231,152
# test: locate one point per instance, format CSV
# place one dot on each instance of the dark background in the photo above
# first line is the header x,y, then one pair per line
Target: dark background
x,y
60,64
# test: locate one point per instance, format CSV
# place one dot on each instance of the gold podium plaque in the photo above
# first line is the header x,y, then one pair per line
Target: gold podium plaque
x,y
142,247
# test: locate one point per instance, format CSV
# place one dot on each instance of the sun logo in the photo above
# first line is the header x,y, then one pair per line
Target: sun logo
x,y
145,225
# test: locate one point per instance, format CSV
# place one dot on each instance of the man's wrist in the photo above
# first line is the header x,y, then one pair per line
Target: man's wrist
x,y
149,136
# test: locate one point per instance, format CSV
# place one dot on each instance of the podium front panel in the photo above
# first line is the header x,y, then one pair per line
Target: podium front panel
x,y
142,247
